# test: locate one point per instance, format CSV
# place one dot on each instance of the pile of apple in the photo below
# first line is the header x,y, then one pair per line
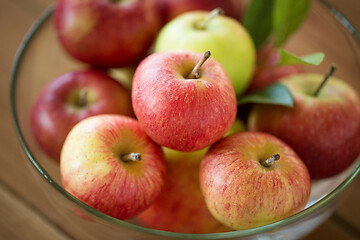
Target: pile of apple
x,y
173,152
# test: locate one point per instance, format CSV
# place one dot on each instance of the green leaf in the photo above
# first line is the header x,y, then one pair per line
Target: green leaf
x,y
277,94
287,17
257,20
287,58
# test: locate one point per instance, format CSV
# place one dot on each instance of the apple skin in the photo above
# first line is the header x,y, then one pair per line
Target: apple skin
x,y
265,76
241,193
229,43
179,113
107,34
93,172
171,9
181,207
56,111
323,130
268,70
237,126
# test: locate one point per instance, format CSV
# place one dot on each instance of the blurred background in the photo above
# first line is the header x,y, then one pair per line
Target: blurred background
x,y
25,211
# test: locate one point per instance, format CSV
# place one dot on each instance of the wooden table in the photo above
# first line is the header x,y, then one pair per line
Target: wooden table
x,y
25,212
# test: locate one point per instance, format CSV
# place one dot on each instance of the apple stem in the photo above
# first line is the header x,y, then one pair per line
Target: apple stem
x,y
82,97
270,161
131,157
214,13
195,73
327,76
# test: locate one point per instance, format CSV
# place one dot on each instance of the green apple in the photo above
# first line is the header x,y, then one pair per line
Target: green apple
x,y
229,42
237,126
123,75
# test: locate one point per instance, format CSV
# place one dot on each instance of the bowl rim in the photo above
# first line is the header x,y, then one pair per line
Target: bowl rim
x,y
44,17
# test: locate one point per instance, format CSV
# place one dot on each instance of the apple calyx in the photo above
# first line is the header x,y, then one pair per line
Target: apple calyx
x,y
270,161
195,73
201,25
329,73
131,157
82,102
80,98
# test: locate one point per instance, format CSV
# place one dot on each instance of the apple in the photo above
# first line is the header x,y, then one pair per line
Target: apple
x,y
68,99
181,102
123,75
323,128
237,126
181,207
229,42
109,163
268,70
171,9
251,179
108,33
265,76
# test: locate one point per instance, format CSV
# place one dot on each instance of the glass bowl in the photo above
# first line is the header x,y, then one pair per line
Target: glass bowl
x,y
40,58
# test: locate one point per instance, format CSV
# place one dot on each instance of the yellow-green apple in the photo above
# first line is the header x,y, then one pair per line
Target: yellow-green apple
x,y
237,126
108,33
181,206
68,99
109,163
180,103
123,75
251,179
229,42
324,129
268,70
171,9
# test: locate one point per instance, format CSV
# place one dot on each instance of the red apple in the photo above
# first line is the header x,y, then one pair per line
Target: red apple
x,y
171,9
245,187
109,163
70,98
268,70
107,33
323,129
179,109
181,207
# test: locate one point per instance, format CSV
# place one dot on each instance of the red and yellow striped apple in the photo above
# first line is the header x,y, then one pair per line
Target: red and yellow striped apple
x,y
179,109
109,163
323,129
70,98
251,179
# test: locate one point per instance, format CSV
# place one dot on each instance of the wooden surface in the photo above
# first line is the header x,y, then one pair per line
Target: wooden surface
x,y
25,212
